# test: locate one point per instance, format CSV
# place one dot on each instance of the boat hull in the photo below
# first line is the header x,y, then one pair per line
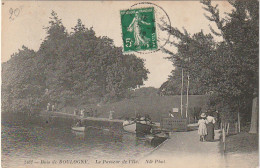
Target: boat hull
x,y
138,128
79,129
130,128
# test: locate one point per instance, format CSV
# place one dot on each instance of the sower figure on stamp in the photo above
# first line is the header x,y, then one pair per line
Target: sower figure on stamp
x,y
135,26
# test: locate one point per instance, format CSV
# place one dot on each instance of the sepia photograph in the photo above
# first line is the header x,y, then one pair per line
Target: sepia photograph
x,y
130,84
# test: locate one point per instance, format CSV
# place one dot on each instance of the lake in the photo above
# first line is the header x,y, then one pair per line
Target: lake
x,y
24,142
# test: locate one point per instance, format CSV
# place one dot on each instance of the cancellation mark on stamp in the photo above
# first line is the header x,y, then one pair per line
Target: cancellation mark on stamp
x,y
140,32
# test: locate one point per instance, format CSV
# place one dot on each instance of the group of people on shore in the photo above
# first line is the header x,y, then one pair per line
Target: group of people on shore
x,y
206,126
85,113
51,107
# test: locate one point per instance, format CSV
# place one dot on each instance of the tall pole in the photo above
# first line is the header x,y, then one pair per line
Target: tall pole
x,y
187,105
188,77
181,88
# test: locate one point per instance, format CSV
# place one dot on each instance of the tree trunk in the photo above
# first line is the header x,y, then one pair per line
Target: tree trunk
x,y
254,117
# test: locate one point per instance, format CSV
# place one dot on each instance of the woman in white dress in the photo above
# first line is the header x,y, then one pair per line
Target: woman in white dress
x,y
202,131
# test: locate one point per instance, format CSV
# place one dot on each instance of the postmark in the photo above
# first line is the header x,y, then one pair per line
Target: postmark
x,y
141,28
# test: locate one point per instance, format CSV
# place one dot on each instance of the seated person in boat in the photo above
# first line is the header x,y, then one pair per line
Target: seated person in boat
x,y
142,120
127,121
138,117
78,124
148,119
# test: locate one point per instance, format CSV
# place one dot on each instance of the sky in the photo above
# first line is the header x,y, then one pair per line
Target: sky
x,y
23,22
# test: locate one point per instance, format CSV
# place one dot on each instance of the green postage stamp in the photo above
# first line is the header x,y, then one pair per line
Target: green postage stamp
x,y
139,29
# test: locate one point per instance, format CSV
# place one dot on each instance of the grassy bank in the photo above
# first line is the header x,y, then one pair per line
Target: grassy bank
x,y
243,142
154,105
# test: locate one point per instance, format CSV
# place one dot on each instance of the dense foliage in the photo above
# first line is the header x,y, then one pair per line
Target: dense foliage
x,y
229,68
69,69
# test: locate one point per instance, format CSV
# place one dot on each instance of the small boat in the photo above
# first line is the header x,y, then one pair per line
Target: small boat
x,y
79,129
137,127
130,127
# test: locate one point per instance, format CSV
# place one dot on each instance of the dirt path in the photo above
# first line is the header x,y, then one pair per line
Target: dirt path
x,y
184,149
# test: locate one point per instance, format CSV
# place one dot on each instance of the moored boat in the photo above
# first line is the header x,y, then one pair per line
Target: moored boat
x,y
79,129
130,127
143,128
137,127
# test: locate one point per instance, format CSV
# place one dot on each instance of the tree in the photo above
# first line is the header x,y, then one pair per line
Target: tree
x,y
228,68
21,82
194,56
70,69
241,34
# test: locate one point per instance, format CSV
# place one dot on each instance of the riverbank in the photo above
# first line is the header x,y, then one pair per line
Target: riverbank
x,y
242,149
154,105
242,142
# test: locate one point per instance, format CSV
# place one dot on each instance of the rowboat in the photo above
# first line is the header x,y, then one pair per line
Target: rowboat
x,y
137,127
130,127
79,129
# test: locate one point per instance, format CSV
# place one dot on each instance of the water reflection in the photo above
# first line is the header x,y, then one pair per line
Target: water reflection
x,y
27,142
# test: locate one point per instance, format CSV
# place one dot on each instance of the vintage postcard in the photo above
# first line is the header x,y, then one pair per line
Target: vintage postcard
x,y
128,84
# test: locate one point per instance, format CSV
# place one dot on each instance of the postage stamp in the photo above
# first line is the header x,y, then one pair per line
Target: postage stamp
x,y
139,29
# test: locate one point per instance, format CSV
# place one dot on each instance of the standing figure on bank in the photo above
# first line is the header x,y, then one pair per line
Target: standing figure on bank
x,y
48,107
53,107
202,131
111,115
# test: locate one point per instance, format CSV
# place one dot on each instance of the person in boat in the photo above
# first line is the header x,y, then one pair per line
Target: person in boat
x,y
148,119
138,117
142,120
127,121
78,124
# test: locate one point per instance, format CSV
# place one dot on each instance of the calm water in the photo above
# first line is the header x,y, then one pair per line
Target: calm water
x,y
21,143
